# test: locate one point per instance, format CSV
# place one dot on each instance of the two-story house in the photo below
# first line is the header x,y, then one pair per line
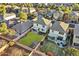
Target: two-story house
x,y
41,24
9,18
58,33
76,36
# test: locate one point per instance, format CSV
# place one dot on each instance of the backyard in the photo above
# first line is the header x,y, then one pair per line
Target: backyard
x,y
51,47
31,38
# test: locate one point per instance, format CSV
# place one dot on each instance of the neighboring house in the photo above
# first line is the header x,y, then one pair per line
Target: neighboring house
x,y
74,15
16,10
8,8
9,16
73,19
66,4
76,36
41,24
25,9
58,33
58,4
20,28
32,10
49,13
10,19
57,15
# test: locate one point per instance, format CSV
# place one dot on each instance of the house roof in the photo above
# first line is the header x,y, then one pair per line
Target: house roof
x,y
47,22
64,25
75,13
9,16
35,19
55,13
16,7
60,26
8,6
42,20
22,27
51,12
32,10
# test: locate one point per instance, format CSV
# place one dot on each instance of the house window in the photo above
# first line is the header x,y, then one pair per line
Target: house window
x,y
35,30
77,36
43,26
42,29
58,44
76,44
59,38
38,29
51,37
61,33
37,24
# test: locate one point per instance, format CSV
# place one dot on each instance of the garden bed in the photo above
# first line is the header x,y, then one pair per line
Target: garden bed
x,y
31,39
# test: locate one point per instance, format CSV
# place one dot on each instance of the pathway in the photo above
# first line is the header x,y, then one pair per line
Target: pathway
x,y
23,46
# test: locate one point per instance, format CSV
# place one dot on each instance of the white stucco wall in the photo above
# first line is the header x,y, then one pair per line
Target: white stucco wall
x,y
56,34
39,27
75,40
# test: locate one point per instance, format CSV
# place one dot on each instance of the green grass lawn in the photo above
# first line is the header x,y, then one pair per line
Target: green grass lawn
x,y
30,38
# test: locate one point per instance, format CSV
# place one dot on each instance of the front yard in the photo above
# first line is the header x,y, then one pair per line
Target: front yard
x,y
30,38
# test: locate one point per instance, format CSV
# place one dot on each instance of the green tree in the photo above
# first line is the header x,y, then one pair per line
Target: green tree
x,y
75,6
3,28
62,7
72,51
68,10
22,16
3,10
